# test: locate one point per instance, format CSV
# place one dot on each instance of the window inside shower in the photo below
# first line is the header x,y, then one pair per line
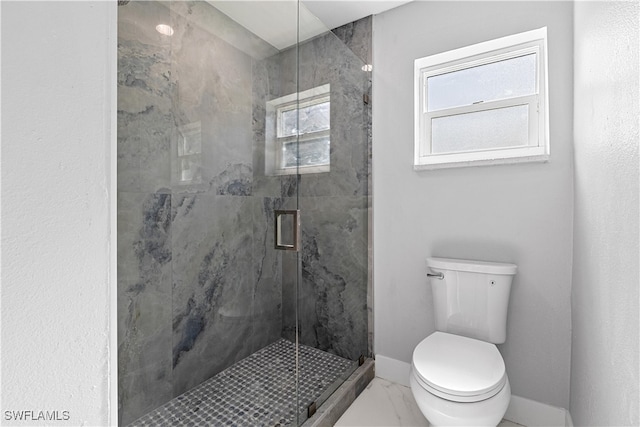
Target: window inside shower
x,y
298,134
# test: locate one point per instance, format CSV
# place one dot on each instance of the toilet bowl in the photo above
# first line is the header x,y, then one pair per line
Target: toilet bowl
x,y
459,381
458,376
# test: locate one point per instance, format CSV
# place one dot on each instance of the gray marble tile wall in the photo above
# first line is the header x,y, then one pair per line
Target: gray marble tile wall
x,y
199,285
333,297
145,126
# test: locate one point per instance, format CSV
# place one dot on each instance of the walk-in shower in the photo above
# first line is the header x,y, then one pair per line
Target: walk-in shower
x,y
229,111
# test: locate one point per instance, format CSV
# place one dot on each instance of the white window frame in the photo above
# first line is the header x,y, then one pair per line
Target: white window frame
x,y
275,138
537,149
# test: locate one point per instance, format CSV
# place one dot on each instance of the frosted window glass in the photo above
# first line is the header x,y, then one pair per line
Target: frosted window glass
x,y
498,80
314,152
489,129
313,118
289,122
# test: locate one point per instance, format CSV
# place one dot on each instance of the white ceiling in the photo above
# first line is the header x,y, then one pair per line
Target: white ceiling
x,y
275,21
334,13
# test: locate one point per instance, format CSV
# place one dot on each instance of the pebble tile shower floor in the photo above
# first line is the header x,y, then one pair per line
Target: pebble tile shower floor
x,y
256,391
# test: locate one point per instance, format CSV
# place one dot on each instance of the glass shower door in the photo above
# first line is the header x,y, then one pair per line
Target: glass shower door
x,y
333,195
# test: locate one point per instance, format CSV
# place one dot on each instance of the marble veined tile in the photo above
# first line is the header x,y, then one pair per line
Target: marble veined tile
x,y
322,60
327,60
145,118
144,302
357,36
212,285
333,292
212,108
384,403
208,69
217,23
267,274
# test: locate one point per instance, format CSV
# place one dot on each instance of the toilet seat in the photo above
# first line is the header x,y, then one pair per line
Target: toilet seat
x,y
458,368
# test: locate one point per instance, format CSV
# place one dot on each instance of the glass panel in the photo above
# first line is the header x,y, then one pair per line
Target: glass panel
x,y
313,152
196,257
333,264
498,80
483,130
313,118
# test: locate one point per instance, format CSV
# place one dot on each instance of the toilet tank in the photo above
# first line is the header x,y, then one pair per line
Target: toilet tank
x,y
472,297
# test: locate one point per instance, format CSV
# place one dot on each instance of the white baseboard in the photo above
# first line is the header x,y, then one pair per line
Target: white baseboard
x,y
531,413
521,410
393,370
568,420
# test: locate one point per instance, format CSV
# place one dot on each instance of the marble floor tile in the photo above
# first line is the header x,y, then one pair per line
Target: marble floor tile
x,y
383,403
388,404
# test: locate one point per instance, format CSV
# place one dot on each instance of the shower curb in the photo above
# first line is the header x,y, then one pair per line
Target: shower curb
x,y
329,413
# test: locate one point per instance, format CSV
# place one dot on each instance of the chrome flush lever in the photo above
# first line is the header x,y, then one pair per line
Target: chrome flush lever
x,y
438,276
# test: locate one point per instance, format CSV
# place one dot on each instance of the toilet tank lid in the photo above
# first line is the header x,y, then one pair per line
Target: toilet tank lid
x,y
471,266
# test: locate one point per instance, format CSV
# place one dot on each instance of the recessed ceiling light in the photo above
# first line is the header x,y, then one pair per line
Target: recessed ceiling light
x,y
164,29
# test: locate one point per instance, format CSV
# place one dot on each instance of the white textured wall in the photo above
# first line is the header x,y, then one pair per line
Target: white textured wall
x,y
605,346
57,209
511,213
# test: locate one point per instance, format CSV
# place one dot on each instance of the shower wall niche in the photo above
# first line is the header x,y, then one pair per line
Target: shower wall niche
x,y
200,286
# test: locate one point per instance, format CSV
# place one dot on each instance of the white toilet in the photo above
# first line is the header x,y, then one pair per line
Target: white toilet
x,y
458,376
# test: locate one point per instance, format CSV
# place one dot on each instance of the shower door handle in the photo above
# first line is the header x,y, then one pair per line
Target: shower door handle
x,y
287,230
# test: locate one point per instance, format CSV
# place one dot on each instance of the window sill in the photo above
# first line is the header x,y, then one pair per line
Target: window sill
x,y
433,164
303,170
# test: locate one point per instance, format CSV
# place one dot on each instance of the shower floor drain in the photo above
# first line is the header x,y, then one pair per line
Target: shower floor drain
x,y
256,391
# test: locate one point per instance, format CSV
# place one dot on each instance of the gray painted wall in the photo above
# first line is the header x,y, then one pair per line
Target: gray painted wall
x,y
605,347
512,213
